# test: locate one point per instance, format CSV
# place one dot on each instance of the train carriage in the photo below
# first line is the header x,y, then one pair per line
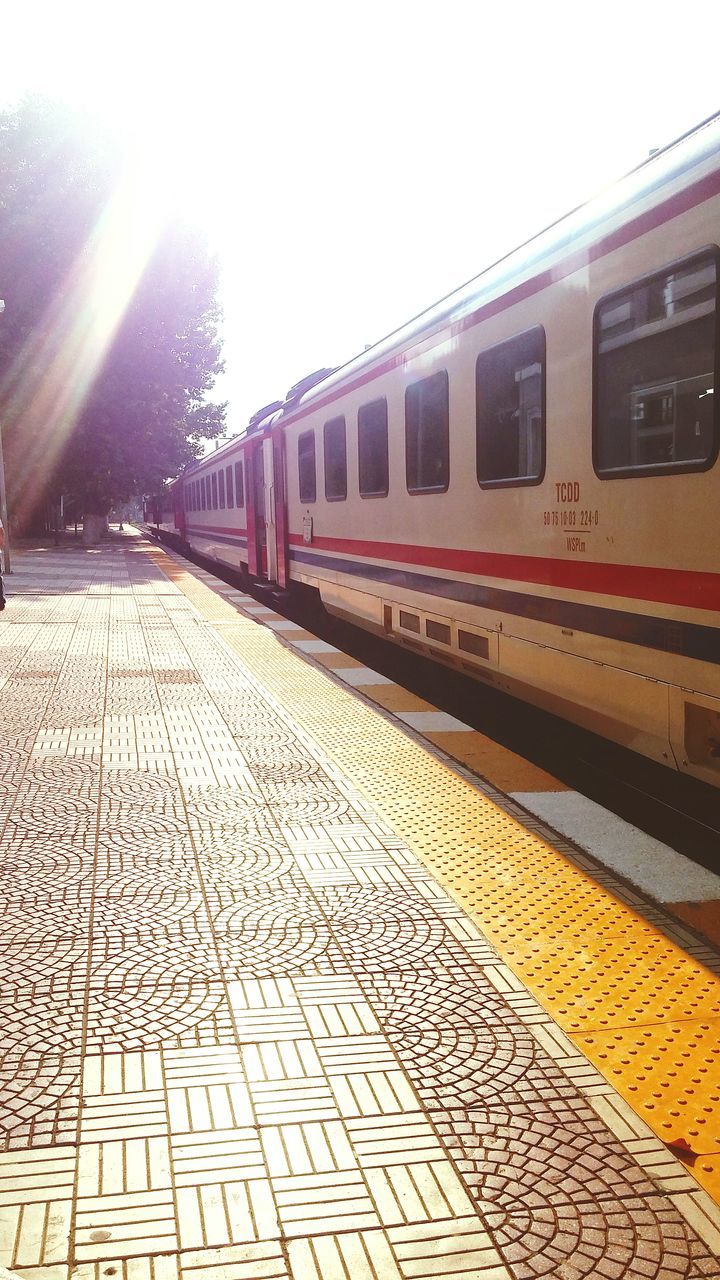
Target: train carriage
x,y
524,480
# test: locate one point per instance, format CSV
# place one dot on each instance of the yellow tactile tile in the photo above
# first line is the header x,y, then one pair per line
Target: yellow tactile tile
x,y
670,1073
524,894
620,983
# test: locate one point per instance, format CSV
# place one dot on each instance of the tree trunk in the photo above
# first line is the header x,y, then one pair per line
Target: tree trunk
x,y
95,528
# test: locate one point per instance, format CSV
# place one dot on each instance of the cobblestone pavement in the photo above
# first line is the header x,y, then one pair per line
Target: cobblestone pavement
x,y
244,1033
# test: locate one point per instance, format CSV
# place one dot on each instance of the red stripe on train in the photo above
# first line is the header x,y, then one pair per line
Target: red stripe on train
x,y
635,582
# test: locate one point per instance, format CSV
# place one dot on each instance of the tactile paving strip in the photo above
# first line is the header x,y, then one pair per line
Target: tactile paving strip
x,y
671,1074
617,982
523,893
525,896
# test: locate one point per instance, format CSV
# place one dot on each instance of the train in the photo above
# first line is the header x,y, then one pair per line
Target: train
x,y
523,481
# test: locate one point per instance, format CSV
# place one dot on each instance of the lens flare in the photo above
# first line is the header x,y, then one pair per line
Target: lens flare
x,y
49,382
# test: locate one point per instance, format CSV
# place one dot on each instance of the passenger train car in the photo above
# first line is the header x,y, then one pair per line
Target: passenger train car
x,y
524,481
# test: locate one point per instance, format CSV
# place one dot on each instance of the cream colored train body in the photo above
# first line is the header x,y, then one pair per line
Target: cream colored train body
x,y
548,514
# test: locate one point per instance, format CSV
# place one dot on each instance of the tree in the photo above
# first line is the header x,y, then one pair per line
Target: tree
x,y
109,345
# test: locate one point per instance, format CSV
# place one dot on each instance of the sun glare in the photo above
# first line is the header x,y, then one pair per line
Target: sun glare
x,y
53,375
350,166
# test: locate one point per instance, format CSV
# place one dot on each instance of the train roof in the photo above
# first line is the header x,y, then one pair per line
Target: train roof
x,y
570,234
641,188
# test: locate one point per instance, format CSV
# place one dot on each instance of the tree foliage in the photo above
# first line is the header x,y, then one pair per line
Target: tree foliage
x,y
98,429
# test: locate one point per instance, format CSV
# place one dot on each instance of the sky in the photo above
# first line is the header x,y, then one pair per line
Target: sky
x,y
353,163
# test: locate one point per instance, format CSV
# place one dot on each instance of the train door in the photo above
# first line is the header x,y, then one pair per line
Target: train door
x,y
280,509
268,498
255,509
179,506
266,515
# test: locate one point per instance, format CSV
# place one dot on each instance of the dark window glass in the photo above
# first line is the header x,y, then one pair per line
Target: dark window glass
x,y
335,450
510,411
214,491
306,466
655,359
471,643
427,448
229,486
239,486
373,449
205,498
437,631
221,487
409,621
197,495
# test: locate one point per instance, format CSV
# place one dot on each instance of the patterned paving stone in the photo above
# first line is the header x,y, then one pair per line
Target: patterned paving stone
x,y
157,835
610,1240
155,955
460,1042
180,1014
39,1099
249,866
462,1248
32,866
42,1020
274,934
243,1032
556,1150
150,905
381,928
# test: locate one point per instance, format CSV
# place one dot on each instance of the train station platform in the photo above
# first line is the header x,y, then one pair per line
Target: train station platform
x,y
289,993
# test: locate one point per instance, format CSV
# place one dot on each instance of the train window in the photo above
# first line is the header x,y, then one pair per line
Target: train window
x,y
203,493
214,491
373,449
510,411
656,356
306,466
410,621
229,487
335,453
471,643
427,447
239,487
221,487
438,631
